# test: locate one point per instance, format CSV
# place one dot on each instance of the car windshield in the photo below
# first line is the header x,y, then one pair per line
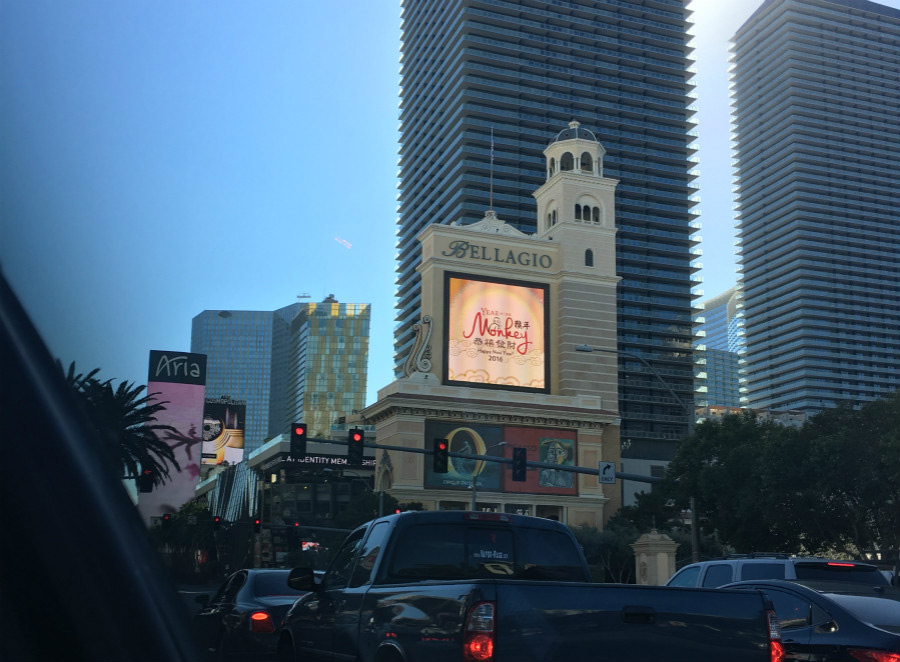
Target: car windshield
x,y
882,612
835,571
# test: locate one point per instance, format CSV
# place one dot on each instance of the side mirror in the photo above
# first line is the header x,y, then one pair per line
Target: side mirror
x,y
302,579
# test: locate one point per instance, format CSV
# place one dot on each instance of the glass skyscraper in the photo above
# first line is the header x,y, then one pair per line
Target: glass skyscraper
x,y
817,119
304,362
719,353
497,79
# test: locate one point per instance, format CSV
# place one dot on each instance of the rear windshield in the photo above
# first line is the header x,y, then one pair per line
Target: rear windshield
x,y
883,613
433,551
273,584
836,572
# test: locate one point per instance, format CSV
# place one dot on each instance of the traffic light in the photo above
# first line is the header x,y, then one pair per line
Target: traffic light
x,y
298,440
167,519
257,525
355,440
217,522
145,480
519,464
440,458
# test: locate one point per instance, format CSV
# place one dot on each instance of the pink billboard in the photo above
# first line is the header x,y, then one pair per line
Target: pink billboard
x,y
495,333
179,380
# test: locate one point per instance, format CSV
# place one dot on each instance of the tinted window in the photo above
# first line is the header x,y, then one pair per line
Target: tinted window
x,y
431,551
792,609
369,554
687,577
717,574
762,571
840,573
338,572
273,583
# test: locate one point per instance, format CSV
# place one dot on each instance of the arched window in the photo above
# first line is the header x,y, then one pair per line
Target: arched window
x,y
577,212
587,162
589,258
554,218
552,165
567,162
596,214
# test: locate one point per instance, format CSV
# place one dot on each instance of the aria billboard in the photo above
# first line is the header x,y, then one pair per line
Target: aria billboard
x,y
496,333
177,379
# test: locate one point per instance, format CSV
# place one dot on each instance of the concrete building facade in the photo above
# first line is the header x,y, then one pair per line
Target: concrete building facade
x,y
816,115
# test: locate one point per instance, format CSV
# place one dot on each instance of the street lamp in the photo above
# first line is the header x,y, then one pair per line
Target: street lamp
x,y
475,476
689,412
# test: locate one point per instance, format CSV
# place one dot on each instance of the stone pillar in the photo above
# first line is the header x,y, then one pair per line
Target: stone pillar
x,y
654,558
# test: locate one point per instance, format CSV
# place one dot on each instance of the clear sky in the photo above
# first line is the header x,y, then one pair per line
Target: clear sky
x,y
162,157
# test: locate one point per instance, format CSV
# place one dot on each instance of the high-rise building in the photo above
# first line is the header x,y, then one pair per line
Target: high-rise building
x,y
486,84
817,120
306,361
717,352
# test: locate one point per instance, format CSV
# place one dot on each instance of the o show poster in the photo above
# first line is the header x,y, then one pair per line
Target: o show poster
x,y
495,333
462,438
179,380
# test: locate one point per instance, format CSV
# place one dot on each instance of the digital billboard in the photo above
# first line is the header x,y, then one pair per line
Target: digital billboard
x,y
177,379
495,333
223,430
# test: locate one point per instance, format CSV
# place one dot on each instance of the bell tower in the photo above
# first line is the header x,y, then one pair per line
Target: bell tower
x,y
576,211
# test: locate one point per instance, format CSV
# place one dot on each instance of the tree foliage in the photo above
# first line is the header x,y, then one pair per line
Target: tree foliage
x,y
125,423
831,486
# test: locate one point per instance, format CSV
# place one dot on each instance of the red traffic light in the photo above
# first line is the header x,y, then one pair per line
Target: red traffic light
x,y
356,436
299,429
442,445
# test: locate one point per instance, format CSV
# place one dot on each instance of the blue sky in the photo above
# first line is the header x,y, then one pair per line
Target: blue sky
x,y
165,157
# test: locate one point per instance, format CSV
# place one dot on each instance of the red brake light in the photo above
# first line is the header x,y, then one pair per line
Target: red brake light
x,y
261,622
841,565
776,650
873,656
478,640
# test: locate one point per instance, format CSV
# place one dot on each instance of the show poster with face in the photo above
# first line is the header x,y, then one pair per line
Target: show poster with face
x,y
177,379
223,430
542,445
462,438
496,333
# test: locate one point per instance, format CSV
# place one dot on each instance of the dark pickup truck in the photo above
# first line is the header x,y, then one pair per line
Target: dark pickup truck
x,y
487,587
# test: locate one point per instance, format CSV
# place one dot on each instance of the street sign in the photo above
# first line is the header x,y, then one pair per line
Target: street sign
x,y
607,475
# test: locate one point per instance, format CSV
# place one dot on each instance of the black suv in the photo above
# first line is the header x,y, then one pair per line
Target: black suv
x,y
741,567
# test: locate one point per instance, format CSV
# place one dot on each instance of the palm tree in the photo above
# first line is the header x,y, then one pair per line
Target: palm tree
x,y
125,423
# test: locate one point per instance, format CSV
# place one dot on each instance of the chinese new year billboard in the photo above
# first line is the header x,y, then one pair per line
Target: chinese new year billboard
x,y
496,333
